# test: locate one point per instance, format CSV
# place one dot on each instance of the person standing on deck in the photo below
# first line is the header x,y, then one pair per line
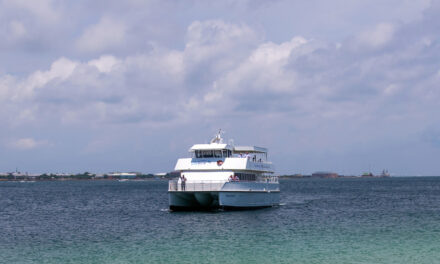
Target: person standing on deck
x,y
183,182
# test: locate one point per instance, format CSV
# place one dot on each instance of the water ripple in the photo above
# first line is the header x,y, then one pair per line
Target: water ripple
x,y
393,220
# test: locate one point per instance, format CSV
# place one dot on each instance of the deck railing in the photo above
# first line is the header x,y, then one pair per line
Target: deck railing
x,y
199,186
271,179
209,186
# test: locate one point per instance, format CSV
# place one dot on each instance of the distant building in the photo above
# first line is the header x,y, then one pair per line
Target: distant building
x,y
367,174
123,175
19,175
325,174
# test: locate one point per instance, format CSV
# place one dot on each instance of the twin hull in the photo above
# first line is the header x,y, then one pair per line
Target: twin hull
x,y
233,195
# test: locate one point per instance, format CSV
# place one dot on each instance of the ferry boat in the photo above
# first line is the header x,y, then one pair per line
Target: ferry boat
x,y
224,176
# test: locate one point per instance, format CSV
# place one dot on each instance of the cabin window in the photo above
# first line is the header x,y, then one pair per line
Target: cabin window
x,y
208,154
246,176
212,153
227,153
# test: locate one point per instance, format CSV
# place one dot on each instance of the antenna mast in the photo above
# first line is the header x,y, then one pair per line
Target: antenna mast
x,y
218,137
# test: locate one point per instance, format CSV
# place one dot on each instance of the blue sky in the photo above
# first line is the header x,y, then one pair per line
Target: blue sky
x,y
326,85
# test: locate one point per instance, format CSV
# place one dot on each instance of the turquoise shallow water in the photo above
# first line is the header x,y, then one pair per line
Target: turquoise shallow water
x,y
389,220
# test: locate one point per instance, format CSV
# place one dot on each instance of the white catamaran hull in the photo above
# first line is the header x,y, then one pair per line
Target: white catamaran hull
x,y
248,199
233,195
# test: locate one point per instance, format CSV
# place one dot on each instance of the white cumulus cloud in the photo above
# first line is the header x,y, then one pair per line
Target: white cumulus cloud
x,y
104,63
107,34
27,143
378,36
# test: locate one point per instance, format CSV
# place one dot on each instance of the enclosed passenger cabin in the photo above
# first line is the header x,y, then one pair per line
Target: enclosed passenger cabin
x,y
221,151
220,161
208,151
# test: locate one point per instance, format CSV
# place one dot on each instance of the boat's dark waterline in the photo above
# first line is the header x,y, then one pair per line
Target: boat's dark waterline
x,y
210,208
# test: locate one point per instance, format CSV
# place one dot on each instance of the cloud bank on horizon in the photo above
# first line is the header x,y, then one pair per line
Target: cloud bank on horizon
x,y
105,85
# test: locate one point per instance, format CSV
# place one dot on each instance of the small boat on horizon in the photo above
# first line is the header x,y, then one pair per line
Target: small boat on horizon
x,y
122,180
385,173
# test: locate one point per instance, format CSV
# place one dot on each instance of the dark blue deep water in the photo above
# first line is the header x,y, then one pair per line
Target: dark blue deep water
x,y
380,220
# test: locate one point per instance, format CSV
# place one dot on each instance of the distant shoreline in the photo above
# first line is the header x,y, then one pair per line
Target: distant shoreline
x,y
36,179
81,177
330,177
86,176
45,180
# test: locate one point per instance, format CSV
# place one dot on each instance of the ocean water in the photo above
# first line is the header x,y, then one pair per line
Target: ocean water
x,y
381,220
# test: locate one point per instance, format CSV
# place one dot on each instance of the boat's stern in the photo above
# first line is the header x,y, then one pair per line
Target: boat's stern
x,y
241,195
200,195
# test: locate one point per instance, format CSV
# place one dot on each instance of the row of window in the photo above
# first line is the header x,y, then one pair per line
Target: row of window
x,y
246,176
225,153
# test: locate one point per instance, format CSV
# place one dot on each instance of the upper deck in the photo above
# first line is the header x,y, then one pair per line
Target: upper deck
x,y
218,156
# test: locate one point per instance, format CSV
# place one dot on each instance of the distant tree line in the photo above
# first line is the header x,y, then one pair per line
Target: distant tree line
x,y
79,176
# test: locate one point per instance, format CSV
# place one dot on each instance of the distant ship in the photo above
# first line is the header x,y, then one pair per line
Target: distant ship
x,y
224,176
367,174
385,173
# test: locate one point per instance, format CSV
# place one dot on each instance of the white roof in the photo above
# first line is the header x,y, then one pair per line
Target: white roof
x,y
212,146
250,149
